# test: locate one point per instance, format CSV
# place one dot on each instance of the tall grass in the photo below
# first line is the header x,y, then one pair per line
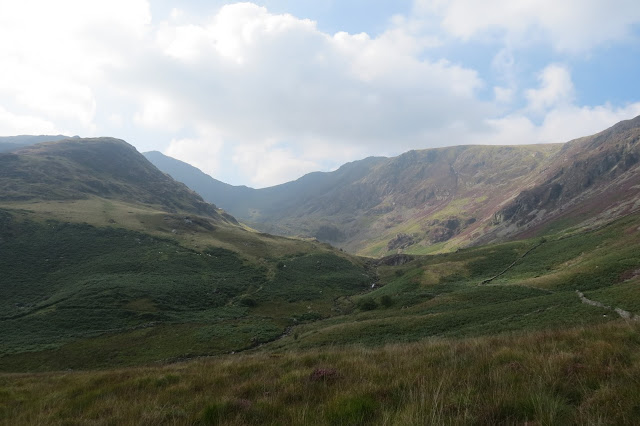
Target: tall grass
x,y
578,376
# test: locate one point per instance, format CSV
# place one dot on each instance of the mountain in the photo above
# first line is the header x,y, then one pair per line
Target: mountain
x,y
439,200
264,207
105,260
227,325
208,187
10,143
419,200
592,179
102,167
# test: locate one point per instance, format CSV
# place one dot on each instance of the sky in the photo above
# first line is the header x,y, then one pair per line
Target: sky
x,y
260,93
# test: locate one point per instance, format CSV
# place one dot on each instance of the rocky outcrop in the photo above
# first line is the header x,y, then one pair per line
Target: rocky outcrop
x,y
401,241
395,260
580,169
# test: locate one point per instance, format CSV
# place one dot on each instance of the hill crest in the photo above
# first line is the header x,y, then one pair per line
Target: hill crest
x,y
437,200
77,168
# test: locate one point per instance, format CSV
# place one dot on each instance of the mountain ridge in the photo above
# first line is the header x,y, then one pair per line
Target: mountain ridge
x,y
441,199
75,168
10,143
377,189
595,176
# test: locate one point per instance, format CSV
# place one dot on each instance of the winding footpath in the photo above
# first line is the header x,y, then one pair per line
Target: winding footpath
x,y
488,280
624,314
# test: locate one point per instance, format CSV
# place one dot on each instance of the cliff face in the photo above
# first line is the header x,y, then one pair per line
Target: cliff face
x,y
588,177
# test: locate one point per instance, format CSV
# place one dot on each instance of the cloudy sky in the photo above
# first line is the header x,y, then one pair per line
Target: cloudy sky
x,y
262,92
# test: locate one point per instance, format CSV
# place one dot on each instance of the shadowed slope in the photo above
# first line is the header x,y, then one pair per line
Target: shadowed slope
x,y
104,167
428,197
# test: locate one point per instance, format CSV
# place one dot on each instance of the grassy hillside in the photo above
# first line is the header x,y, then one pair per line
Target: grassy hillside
x,y
192,231
488,335
107,261
511,287
78,296
108,296
106,182
74,169
219,324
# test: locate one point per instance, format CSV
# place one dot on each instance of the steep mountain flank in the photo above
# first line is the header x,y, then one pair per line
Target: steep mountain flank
x,y
103,167
436,200
264,207
441,199
208,187
593,177
431,196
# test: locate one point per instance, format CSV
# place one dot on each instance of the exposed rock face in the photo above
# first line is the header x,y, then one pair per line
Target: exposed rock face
x,y
438,231
395,260
597,166
520,209
401,241
440,234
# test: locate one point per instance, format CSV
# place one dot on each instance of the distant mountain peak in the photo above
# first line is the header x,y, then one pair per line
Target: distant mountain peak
x,y
77,168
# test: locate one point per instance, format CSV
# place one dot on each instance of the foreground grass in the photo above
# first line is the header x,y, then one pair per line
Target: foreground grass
x,y
586,375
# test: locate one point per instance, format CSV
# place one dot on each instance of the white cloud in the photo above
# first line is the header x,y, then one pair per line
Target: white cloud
x,y
269,164
560,119
116,120
568,25
259,77
202,152
572,122
158,112
52,53
559,125
280,96
181,42
14,124
503,95
252,75
556,88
